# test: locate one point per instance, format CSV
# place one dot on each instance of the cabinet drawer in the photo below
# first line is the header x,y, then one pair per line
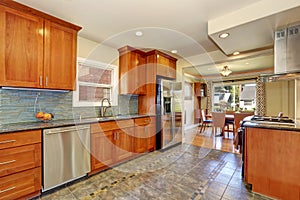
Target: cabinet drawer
x,y
144,121
18,159
19,138
20,184
112,125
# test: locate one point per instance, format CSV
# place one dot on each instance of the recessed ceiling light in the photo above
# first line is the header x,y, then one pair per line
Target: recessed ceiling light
x,y
174,51
139,33
236,53
224,35
247,63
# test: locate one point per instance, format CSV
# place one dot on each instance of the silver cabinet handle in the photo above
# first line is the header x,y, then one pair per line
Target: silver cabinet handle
x,y
7,141
46,80
7,162
41,80
8,189
115,136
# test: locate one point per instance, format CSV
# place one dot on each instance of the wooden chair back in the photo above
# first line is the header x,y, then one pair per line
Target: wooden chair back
x,y
238,117
218,119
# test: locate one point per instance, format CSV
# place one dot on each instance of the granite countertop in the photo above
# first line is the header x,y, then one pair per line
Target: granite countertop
x,y
272,125
6,128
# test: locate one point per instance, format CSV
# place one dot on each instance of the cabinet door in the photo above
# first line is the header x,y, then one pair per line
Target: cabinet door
x,y
102,150
18,159
18,185
141,75
166,67
60,56
151,135
21,47
124,143
140,139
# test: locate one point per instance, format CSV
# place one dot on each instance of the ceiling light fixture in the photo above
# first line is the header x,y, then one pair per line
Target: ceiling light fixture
x,y
236,53
224,35
225,71
139,33
174,51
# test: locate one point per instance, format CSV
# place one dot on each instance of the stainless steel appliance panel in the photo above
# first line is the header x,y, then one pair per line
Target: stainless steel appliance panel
x,y
171,132
66,154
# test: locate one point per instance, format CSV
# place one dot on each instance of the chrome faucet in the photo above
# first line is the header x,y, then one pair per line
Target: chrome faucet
x,y
103,108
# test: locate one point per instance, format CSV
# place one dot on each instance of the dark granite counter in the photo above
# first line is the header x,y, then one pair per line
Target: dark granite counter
x,y
6,128
271,125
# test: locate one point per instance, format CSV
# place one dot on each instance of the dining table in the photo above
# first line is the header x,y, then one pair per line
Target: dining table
x,y
229,118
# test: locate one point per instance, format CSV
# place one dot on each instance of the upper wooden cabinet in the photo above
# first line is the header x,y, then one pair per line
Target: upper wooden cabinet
x,y
36,52
166,65
200,89
132,71
59,57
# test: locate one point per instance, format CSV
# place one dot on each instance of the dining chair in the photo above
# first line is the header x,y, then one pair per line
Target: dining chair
x,y
218,121
229,123
238,117
205,121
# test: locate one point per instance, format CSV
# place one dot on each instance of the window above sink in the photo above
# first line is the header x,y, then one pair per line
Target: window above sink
x,y
95,81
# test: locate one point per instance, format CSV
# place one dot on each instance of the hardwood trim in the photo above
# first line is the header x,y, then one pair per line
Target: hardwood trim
x,y
233,74
155,51
32,11
127,49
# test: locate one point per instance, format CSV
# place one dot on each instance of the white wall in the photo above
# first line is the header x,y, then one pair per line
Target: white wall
x,y
96,51
280,97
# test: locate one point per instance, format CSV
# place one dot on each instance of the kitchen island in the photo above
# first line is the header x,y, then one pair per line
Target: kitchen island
x,y
271,160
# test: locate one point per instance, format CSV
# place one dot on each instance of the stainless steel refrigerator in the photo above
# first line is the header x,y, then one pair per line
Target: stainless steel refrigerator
x,y
168,113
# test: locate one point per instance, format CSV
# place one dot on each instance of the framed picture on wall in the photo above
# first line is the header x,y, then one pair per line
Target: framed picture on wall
x,y
188,91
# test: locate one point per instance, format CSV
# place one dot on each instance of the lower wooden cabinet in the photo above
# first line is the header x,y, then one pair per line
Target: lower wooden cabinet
x,y
20,164
21,184
111,143
144,134
102,150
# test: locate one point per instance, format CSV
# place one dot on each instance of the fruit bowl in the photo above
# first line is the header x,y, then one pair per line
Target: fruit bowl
x,y
44,117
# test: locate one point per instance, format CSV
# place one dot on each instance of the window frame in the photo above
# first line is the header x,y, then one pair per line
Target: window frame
x,y
114,83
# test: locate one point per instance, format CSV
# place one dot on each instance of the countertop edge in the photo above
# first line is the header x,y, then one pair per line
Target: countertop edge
x,y
26,126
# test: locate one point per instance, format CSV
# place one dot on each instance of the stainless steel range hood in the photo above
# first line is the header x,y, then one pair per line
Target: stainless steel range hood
x,y
287,50
286,55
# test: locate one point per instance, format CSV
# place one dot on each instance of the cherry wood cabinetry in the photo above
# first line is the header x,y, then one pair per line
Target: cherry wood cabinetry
x,y
144,134
132,71
166,65
36,50
60,56
21,48
138,69
271,162
111,142
200,93
200,89
20,164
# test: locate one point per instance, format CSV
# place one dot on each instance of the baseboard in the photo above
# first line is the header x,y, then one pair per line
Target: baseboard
x,y
191,126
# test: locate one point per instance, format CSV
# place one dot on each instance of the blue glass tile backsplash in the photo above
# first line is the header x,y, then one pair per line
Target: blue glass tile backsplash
x,y
19,105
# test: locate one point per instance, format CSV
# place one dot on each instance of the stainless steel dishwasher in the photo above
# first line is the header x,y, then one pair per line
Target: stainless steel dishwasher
x,y
66,154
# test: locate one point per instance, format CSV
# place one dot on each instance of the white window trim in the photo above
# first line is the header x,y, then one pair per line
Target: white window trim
x,y
115,89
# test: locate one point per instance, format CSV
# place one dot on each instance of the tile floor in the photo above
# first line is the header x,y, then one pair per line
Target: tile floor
x,y
181,172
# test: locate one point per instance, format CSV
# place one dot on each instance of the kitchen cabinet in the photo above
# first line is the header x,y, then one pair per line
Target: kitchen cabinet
x,y
271,161
132,71
59,57
35,51
166,65
200,92
111,143
144,134
20,164
200,89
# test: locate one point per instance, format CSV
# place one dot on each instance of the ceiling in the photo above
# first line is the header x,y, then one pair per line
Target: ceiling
x,y
166,25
